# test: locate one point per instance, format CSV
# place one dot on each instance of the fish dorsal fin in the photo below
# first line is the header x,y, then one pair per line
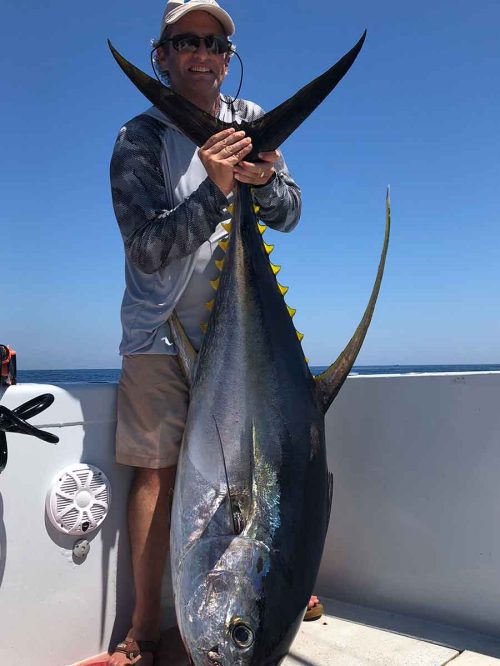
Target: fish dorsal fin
x,y
328,384
185,350
267,132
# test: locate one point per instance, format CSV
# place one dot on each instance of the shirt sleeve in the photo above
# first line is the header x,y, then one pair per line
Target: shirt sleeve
x,y
280,200
153,232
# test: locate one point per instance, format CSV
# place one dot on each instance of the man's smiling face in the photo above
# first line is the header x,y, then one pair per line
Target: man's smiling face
x,y
199,73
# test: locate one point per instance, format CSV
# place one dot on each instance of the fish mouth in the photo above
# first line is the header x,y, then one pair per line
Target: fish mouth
x,y
213,656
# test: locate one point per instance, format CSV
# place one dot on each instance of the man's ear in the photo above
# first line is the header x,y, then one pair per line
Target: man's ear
x,y
161,57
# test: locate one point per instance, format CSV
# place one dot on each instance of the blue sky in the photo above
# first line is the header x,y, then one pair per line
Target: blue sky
x,y
419,110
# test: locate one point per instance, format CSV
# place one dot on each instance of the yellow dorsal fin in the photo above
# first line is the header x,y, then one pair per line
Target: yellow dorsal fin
x,y
230,209
227,226
300,336
306,360
210,305
224,244
262,227
268,248
204,327
219,263
282,289
291,311
215,283
274,268
256,208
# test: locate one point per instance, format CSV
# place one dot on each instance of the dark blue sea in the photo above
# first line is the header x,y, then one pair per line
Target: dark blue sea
x,y
100,376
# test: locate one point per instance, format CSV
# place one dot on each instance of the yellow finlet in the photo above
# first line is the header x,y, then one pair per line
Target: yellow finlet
x,y
291,311
215,283
204,327
274,268
219,263
227,226
282,289
300,336
224,244
210,305
230,209
268,248
256,209
262,227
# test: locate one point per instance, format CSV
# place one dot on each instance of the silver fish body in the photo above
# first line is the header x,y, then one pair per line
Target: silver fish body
x,y
251,503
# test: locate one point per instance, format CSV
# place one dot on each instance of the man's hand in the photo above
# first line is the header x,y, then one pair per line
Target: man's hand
x,y
220,154
257,173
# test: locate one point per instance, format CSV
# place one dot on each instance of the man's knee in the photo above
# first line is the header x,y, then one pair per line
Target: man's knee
x,y
161,479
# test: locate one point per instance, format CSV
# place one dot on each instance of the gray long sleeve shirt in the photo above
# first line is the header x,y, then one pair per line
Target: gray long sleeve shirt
x,y
170,214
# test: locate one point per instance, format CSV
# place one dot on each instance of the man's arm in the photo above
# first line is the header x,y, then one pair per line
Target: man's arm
x,y
280,199
153,233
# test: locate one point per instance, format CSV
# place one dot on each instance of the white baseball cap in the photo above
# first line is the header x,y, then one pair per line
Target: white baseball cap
x,y
176,9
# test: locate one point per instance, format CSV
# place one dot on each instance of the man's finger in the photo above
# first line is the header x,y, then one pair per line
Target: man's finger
x,y
216,138
227,146
244,178
259,170
257,167
272,156
238,149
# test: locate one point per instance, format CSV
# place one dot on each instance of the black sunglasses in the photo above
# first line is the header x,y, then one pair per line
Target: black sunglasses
x,y
189,43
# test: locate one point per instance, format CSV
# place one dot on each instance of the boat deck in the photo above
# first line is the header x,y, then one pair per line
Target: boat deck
x,y
349,635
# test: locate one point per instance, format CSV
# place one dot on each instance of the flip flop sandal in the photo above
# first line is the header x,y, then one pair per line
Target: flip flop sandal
x,y
133,649
314,613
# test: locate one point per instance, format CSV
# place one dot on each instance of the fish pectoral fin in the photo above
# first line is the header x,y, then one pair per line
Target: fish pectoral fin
x,y
329,383
330,498
233,508
185,350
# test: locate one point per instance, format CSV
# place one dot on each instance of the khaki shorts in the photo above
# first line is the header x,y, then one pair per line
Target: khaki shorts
x,y
153,399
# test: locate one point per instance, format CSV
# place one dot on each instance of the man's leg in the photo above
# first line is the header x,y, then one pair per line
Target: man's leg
x,y
149,533
152,408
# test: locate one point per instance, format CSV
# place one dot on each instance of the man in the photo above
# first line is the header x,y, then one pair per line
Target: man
x,y
170,199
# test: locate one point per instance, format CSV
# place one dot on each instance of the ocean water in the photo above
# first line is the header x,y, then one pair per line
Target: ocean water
x,y
110,375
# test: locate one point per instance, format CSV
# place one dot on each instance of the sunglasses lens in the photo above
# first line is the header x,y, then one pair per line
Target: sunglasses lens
x,y
211,44
186,43
215,44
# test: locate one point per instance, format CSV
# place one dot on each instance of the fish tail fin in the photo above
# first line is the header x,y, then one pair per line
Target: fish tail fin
x,y
195,123
267,132
328,383
273,128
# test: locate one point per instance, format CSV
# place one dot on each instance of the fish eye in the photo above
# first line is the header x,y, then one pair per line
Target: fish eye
x,y
242,635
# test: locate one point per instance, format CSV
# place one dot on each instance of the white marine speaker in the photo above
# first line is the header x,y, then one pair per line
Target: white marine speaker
x,y
78,500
